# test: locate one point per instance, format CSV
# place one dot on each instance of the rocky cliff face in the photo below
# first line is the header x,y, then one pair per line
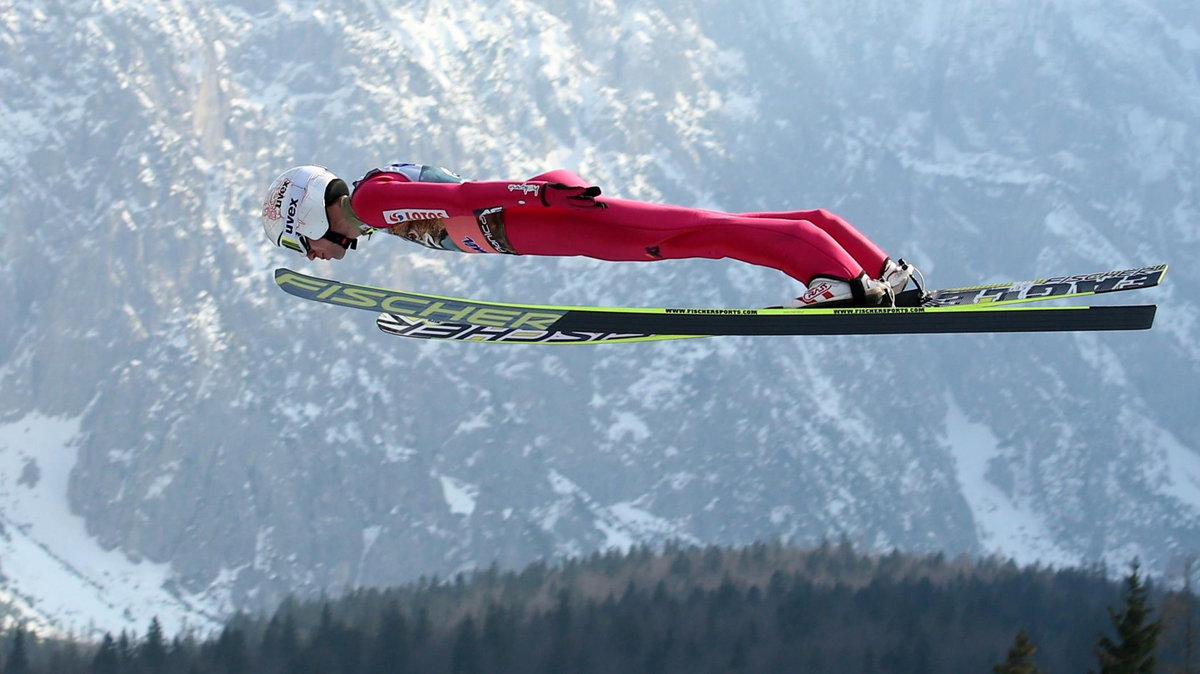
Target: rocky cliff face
x,y
228,445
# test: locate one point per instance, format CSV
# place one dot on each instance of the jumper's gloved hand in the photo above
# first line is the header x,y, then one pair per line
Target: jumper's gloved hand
x,y
571,196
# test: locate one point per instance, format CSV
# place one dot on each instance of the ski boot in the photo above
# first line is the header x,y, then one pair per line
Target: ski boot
x,y
826,292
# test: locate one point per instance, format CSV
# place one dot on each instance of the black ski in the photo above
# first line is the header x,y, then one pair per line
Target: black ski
x,y
1010,317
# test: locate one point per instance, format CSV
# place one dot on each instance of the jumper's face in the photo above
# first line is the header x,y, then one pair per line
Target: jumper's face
x,y
321,249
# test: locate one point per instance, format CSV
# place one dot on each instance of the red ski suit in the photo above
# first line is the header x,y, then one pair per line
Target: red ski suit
x,y
514,217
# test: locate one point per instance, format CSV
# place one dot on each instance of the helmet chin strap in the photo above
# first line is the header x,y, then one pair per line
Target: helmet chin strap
x,y
340,239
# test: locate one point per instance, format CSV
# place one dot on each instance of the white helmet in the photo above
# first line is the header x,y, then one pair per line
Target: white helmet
x,y
294,209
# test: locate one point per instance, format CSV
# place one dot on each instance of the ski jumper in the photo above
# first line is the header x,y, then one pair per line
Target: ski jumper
x,y
435,208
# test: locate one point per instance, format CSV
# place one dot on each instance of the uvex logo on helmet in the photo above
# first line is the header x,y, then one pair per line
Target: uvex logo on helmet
x,y
290,227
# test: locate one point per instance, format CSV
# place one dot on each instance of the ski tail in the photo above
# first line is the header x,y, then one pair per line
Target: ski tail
x,y
1053,288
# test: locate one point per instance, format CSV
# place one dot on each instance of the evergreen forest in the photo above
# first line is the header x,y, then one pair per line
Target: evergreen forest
x,y
764,608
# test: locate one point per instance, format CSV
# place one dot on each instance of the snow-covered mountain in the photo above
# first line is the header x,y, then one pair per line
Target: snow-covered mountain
x,y
179,438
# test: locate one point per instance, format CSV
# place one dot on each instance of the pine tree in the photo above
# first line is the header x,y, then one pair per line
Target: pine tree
x,y
498,633
1179,615
18,659
124,648
465,656
422,627
66,658
321,653
180,653
230,655
1020,657
280,645
389,649
1189,634
107,660
1134,653
560,634
153,651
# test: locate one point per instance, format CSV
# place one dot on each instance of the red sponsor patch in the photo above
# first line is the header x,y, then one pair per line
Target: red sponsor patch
x,y
399,215
819,291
